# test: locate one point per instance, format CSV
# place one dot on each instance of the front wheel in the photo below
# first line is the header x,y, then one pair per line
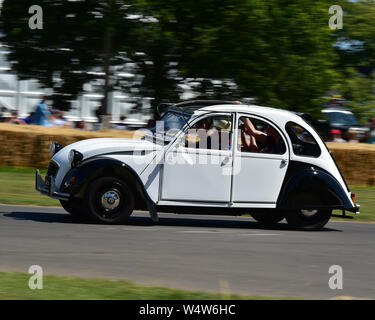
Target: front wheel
x,y
109,200
308,219
73,206
268,216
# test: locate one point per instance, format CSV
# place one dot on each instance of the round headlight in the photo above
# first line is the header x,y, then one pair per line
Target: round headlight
x,y
55,147
71,155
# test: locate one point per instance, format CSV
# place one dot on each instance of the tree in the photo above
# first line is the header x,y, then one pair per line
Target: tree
x,y
356,41
355,46
358,90
153,57
280,52
77,37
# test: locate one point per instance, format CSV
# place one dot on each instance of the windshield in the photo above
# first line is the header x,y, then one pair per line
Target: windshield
x,y
342,118
169,125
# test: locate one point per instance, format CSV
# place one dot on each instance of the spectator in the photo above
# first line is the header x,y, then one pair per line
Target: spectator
x,y
337,136
59,119
352,136
5,116
371,134
121,125
30,118
43,116
14,118
81,125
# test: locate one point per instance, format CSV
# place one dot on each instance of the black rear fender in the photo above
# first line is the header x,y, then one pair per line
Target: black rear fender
x,y
306,187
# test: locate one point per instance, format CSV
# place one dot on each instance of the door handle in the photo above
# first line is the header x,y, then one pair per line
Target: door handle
x,y
225,161
284,161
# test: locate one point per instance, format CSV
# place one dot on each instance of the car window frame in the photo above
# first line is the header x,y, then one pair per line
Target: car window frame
x,y
284,155
184,130
291,142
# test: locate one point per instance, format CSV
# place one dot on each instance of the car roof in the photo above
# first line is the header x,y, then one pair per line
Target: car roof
x,y
198,107
254,109
191,106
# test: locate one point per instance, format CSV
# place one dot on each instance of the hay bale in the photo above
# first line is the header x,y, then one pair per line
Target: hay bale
x,y
356,162
28,146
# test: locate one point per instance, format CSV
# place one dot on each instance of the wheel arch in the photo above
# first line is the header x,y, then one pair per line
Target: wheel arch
x,y
96,167
306,186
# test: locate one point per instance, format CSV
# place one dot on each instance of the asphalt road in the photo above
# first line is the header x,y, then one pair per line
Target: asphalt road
x,y
212,253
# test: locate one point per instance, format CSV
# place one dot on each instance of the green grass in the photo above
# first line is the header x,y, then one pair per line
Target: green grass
x,y
17,186
15,286
365,196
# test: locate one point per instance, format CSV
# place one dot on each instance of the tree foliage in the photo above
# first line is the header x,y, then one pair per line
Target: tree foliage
x,y
70,45
280,52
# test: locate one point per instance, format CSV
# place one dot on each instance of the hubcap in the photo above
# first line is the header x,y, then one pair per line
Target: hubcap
x,y
308,213
110,200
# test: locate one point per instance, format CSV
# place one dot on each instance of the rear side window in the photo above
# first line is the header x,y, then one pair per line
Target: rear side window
x,y
303,142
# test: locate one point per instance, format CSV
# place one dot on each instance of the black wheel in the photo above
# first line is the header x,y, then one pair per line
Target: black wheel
x,y
73,206
308,219
109,200
268,216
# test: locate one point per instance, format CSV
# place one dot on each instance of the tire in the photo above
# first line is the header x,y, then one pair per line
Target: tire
x,y
308,219
268,217
109,200
73,207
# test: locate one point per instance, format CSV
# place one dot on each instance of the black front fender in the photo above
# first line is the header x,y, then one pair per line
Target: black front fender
x,y
309,187
78,178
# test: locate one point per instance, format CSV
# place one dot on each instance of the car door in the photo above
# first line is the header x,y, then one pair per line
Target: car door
x,y
198,165
258,174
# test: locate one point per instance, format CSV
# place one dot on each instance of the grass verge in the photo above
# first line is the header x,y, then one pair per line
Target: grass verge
x,y
17,186
15,286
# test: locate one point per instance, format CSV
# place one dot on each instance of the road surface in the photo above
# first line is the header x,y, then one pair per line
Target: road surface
x,y
211,253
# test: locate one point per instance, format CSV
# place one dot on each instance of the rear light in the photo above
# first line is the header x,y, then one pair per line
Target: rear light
x,y
352,196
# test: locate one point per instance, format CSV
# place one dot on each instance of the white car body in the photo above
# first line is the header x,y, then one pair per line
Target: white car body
x,y
231,179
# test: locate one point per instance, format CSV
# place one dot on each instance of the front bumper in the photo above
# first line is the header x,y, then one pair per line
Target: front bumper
x,y
48,187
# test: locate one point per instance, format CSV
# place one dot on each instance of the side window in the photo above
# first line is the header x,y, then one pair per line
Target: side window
x,y
303,142
258,136
214,132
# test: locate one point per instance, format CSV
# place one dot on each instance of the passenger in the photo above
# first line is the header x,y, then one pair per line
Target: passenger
x,y
247,144
270,139
219,135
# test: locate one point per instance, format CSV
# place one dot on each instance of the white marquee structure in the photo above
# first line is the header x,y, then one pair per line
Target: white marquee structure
x,y
25,95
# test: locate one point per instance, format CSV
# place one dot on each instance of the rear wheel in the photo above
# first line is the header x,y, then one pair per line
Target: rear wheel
x,y
109,200
308,219
268,216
